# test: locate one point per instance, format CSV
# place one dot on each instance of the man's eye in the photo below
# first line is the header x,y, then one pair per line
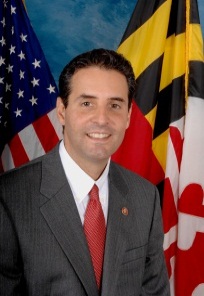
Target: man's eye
x,y
86,104
115,106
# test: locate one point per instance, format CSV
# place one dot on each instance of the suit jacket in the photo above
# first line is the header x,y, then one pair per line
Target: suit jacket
x,y
43,249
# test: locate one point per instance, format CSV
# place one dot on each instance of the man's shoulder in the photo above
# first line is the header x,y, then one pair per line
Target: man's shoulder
x,y
21,174
128,174
33,166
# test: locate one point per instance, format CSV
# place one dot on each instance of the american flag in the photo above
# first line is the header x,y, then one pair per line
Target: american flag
x,y
28,124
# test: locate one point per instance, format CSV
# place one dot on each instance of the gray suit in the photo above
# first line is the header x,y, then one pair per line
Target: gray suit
x,y
43,250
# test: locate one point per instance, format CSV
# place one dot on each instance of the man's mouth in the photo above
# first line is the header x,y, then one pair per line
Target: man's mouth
x,y
98,135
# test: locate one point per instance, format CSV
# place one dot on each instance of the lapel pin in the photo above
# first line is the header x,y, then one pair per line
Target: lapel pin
x,y
124,211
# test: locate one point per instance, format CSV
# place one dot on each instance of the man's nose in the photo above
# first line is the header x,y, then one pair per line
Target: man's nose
x,y
102,115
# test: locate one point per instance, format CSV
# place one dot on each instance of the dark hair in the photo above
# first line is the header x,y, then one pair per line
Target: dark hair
x,y
103,58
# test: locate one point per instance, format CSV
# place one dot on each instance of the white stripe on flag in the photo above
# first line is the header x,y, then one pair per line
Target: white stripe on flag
x,y
7,159
31,142
55,122
170,237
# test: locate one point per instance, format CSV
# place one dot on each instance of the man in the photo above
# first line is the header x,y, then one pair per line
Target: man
x,y
44,239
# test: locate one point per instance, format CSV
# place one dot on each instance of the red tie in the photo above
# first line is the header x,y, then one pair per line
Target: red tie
x,y
95,231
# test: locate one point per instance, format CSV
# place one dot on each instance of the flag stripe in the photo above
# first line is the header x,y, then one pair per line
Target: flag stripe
x,y
146,97
19,154
194,14
145,10
7,159
135,47
177,19
196,43
45,134
196,86
32,147
174,60
169,108
53,119
28,93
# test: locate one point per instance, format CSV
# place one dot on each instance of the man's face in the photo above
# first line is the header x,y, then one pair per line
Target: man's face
x,y
97,115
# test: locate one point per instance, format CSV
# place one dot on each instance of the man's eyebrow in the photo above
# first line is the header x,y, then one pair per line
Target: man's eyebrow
x,y
89,96
86,96
117,99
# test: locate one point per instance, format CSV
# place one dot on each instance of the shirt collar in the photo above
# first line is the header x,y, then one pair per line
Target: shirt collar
x,y
79,181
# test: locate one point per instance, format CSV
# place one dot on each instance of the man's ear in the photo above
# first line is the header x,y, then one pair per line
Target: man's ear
x,y
129,116
60,108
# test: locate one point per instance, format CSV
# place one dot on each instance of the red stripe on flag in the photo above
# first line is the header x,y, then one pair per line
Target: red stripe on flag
x,y
189,270
18,152
170,253
47,134
177,141
138,143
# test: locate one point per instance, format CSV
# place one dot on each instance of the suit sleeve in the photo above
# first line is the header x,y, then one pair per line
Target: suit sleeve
x,y
10,263
155,281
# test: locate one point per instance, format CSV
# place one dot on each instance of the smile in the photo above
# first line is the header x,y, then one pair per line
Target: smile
x,y
98,135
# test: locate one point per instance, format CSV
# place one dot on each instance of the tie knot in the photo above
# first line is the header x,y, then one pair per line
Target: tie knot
x,y
94,193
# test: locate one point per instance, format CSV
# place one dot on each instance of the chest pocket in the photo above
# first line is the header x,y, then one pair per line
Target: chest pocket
x,y
134,254
131,272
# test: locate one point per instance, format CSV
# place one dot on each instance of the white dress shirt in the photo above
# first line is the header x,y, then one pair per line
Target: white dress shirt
x,y
81,183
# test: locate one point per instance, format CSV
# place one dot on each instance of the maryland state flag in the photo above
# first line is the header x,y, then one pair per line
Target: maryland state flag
x,y
165,140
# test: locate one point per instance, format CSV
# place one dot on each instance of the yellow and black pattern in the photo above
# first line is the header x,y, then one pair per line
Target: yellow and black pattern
x,y
156,44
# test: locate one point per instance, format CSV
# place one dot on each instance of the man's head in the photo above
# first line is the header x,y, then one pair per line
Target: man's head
x,y
102,58
94,107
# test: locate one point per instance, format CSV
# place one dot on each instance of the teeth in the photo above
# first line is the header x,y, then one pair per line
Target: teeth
x,y
98,136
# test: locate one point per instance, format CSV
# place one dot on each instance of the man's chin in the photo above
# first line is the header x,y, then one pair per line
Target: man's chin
x,y
100,156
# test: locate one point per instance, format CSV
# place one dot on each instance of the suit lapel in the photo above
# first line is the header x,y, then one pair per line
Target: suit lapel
x,y
117,222
62,216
